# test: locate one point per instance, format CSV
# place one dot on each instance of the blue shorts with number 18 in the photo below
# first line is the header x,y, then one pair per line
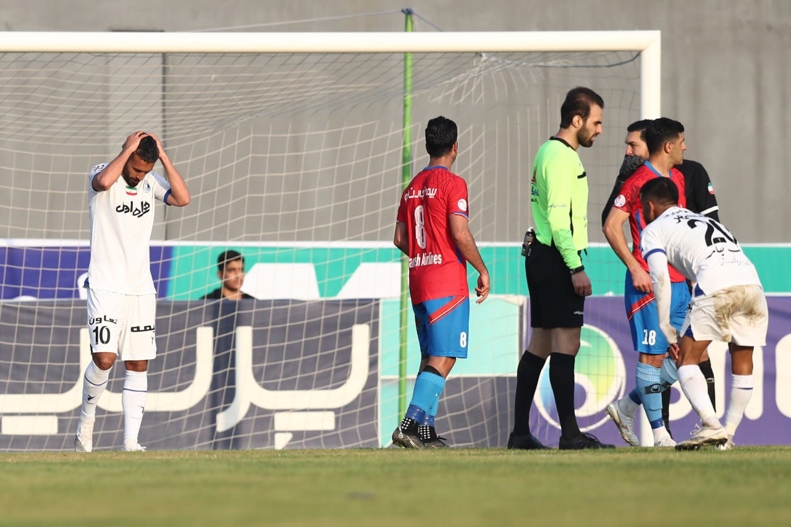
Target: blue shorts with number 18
x,y
443,325
644,317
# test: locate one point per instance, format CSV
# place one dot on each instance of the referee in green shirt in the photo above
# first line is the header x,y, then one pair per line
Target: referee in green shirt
x,y
556,278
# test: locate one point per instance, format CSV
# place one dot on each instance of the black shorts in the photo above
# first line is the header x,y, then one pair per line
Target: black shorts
x,y
553,302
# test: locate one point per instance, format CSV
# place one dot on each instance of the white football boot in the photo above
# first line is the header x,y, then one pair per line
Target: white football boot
x,y
624,422
705,436
83,442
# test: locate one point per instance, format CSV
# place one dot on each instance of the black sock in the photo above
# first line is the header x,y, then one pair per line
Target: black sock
x,y
666,409
409,426
427,433
527,375
561,376
708,372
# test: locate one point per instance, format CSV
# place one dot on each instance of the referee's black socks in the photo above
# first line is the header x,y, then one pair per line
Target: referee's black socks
x,y
527,375
561,377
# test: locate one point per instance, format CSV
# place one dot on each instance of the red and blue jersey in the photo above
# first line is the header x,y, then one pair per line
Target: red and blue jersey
x,y
628,200
436,267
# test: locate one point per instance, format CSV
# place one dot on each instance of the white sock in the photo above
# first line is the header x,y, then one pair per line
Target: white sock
x,y
741,392
693,383
93,385
660,433
628,406
134,402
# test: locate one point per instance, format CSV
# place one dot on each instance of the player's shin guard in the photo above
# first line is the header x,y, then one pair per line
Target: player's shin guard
x,y
133,400
650,389
741,392
694,386
708,373
94,383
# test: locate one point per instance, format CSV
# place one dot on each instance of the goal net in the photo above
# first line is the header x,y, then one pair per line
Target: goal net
x,y
294,159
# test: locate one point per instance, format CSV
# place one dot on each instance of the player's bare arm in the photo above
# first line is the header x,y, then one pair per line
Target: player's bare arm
x,y
613,231
107,177
179,194
400,238
460,232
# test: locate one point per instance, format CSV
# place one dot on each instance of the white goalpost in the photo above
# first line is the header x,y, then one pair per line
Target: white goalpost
x,y
292,147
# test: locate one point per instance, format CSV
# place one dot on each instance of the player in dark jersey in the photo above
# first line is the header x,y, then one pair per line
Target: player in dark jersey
x,y
700,198
432,229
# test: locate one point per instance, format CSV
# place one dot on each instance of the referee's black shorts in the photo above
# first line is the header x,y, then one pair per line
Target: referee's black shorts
x,y
553,302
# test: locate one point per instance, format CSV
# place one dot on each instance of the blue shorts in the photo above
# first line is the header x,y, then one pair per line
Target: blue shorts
x,y
644,318
443,326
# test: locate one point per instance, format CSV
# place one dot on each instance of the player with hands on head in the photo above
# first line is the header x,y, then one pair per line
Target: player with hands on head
x,y
556,277
728,304
433,231
121,293
655,371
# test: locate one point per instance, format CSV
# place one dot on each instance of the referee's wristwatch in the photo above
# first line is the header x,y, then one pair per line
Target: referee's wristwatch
x,y
577,269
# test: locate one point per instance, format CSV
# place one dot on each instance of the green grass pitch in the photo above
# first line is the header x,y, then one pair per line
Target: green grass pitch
x,y
454,487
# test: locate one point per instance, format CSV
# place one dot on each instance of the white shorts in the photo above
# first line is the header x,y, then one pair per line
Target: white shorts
x,y
737,314
122,324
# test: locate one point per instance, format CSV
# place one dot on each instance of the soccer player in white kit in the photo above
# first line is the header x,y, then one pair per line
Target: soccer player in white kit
x,y
121,294
728,303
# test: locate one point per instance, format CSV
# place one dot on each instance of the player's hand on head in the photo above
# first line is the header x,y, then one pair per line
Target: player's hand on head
x,y
582,284
159,144
642,281
483,288
133,140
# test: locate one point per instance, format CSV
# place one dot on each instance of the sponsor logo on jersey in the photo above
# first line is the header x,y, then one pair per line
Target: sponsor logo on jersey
x,y
131,191
146,187
620,200
425,259
462,205
142,329
419,194
137,212
99,320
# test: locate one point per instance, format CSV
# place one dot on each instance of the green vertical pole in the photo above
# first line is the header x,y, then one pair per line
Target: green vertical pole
x,y
406,175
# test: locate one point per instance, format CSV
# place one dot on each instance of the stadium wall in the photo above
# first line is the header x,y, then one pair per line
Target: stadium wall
x,y
242,374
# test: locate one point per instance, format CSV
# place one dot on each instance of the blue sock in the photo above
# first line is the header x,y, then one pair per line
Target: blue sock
x,y
428,388
669,373
425,397
650,389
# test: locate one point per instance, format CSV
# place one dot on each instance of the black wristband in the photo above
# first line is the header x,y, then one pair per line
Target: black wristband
x,y
577,269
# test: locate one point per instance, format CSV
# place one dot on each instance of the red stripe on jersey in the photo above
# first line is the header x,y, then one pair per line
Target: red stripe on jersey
x,y
447,308
640,304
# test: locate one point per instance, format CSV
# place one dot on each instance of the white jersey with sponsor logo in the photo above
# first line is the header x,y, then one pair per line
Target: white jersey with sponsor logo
x,y
122,219
702,249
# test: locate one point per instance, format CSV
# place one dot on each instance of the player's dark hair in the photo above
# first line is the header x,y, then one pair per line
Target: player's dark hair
x,y
640,126
660,132
228,256
441,134
578,102
148,150
660,190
